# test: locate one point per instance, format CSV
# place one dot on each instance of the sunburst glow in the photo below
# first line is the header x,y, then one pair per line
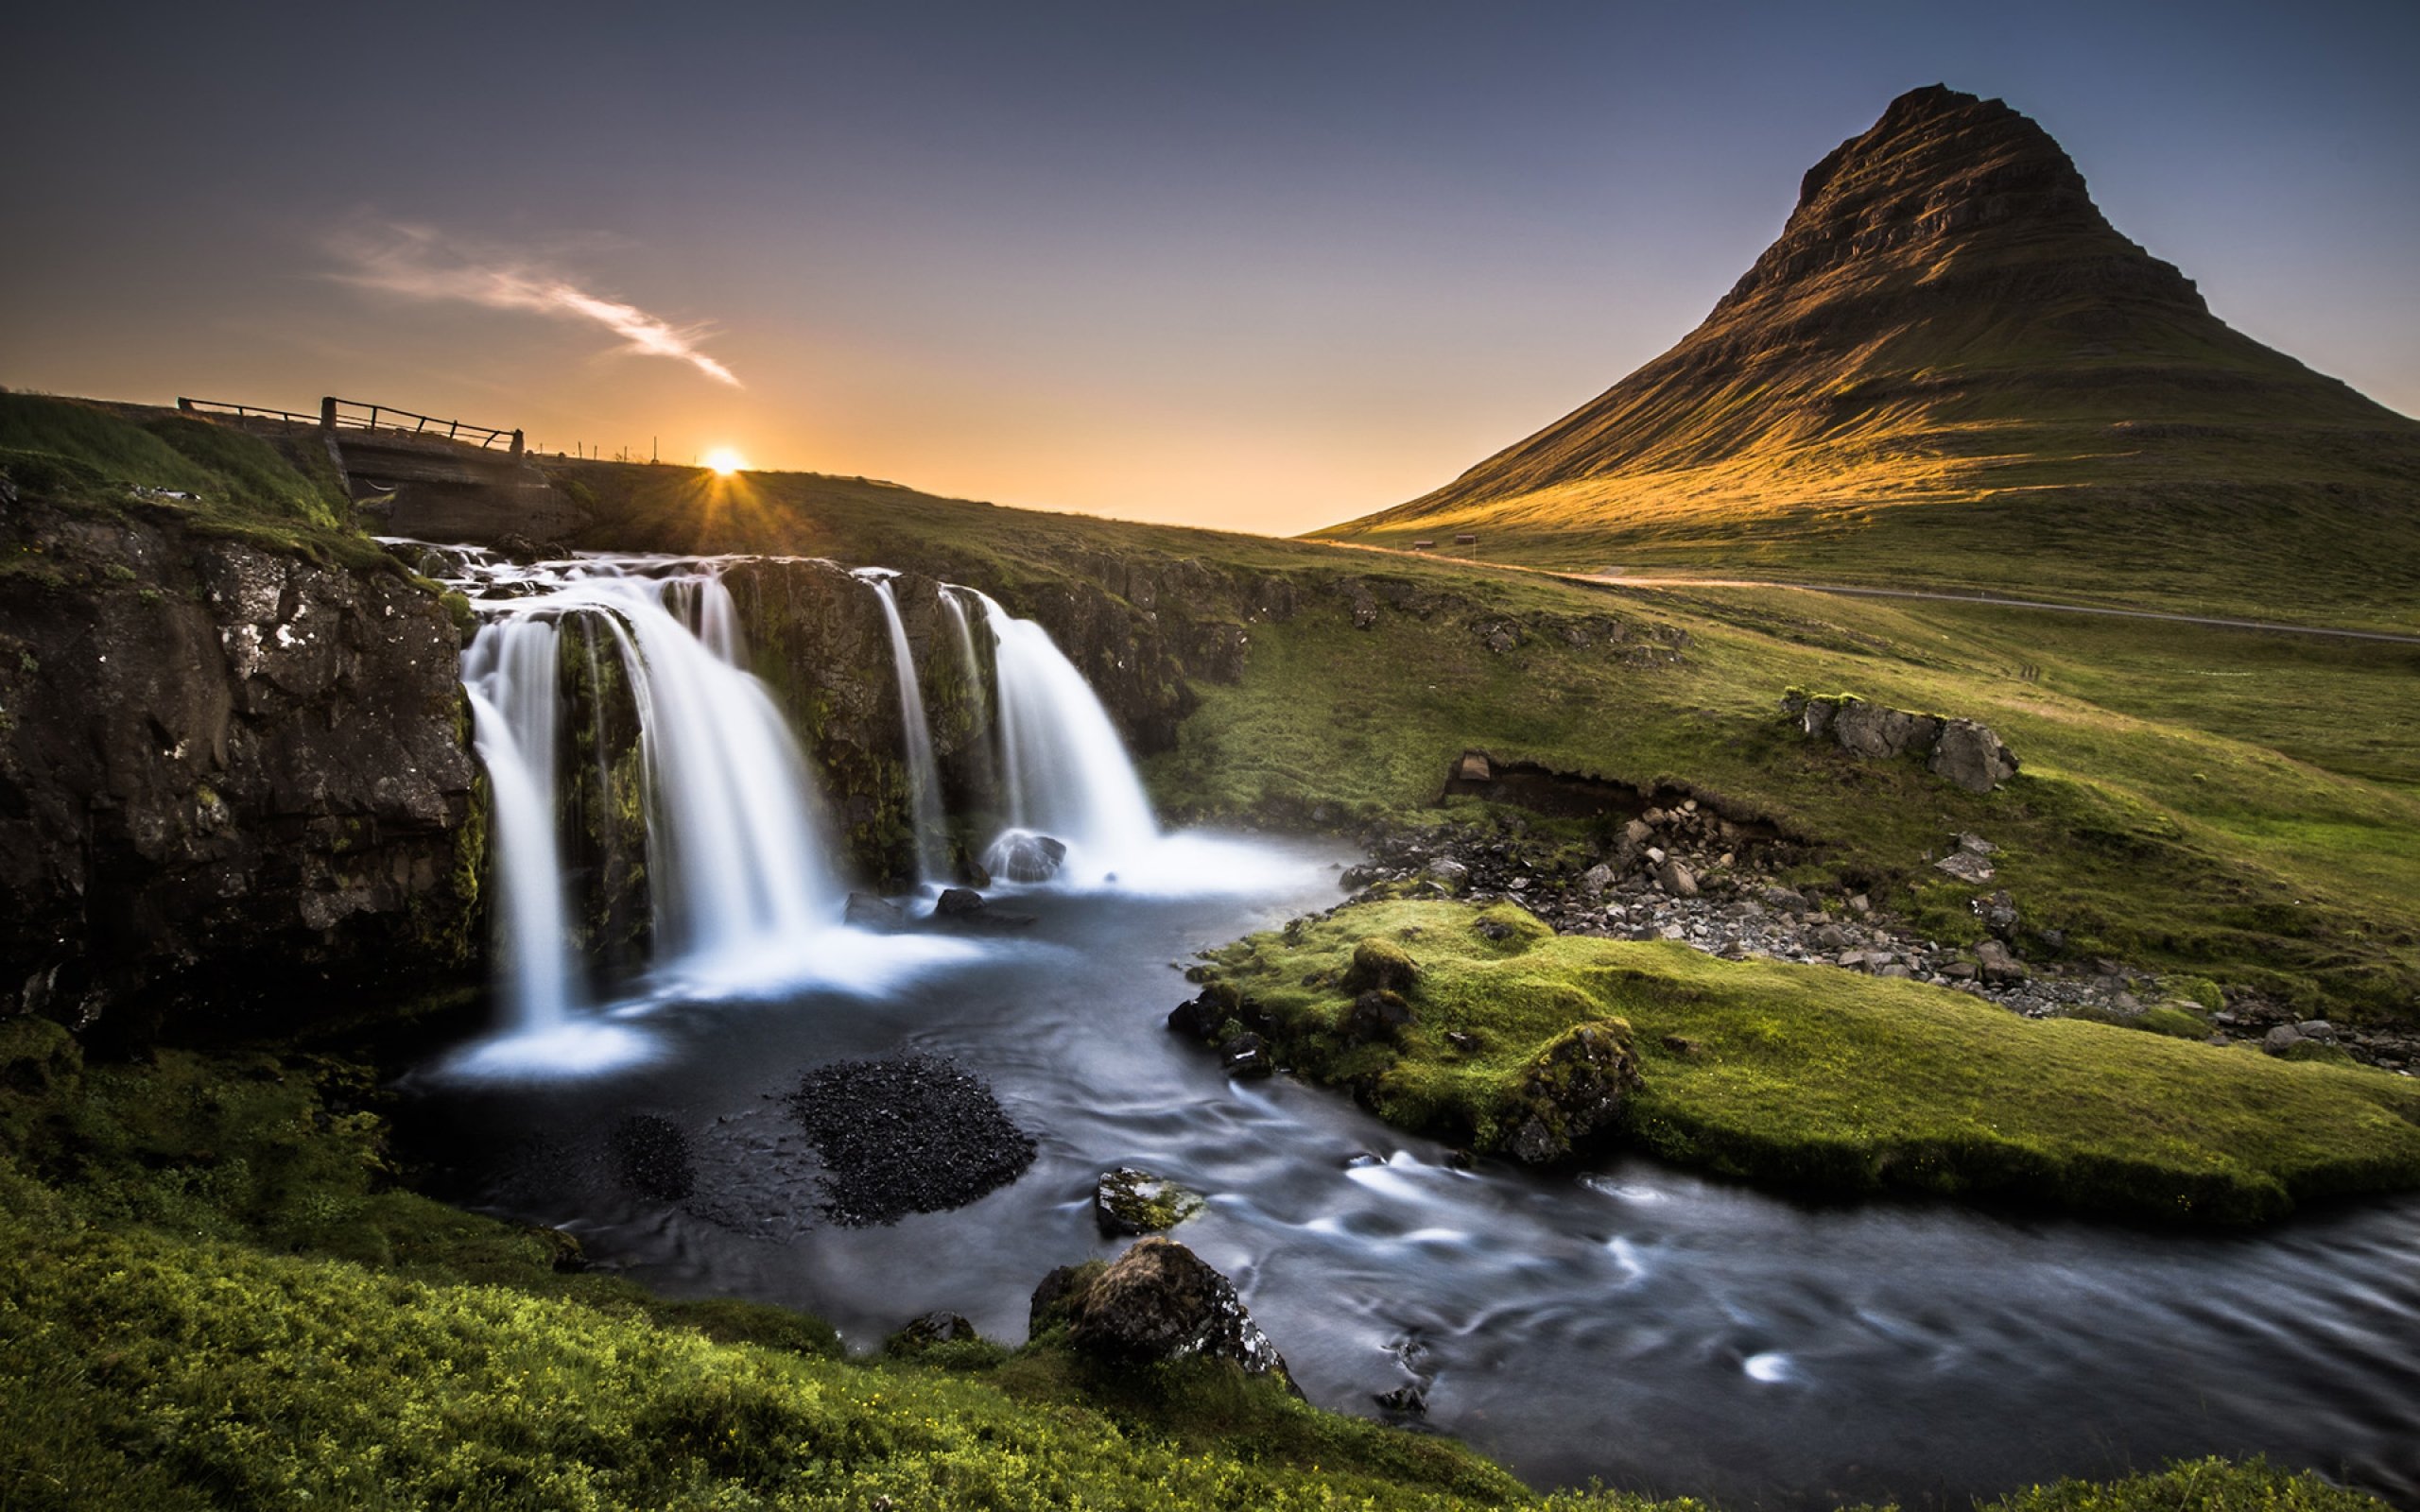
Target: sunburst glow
x,y
725,461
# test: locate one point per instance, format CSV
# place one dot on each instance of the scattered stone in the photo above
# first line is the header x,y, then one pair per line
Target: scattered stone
x,y
1450,871
2280,1039
1677,879
1130,1201
1157,1302
1967,866
906,1134
1997,965
1597,879
1998,914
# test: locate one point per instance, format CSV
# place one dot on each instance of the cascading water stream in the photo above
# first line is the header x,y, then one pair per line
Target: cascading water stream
x,y
509,671
924,773
971,668
1064,769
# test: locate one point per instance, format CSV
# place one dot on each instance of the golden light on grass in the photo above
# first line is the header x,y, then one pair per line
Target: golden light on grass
x,y
725,461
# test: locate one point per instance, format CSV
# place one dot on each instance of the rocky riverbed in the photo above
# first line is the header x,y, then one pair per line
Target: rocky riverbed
x,y
1690,874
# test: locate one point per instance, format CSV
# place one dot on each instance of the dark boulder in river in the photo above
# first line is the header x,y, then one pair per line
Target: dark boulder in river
x,y
907,1134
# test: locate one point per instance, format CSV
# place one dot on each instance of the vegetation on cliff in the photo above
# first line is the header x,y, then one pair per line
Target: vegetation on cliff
x,y
1811,1078
212,479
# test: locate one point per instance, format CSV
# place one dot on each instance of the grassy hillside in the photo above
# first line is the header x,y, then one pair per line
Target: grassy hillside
x,y
105,459
2230,804
1950,370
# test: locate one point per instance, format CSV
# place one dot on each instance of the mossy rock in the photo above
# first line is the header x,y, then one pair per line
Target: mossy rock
x,y
1131,1201
1381,966
2173,1022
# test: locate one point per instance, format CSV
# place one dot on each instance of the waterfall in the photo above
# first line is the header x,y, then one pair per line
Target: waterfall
x,y
971,667
735,851
509,673
1063,768
737,868
923,774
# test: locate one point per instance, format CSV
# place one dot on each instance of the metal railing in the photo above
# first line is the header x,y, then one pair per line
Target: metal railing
x,y
212,406
353,414
359,415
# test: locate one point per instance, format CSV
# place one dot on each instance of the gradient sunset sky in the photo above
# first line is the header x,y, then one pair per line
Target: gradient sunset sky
x,y
1258,267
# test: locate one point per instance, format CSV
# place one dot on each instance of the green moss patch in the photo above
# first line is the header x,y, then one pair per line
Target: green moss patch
x,y
1826,1081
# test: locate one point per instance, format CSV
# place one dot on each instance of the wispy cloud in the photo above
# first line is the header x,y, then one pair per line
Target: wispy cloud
x,y
417,263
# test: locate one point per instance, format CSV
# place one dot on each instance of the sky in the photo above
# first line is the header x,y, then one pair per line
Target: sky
x,y
1260,267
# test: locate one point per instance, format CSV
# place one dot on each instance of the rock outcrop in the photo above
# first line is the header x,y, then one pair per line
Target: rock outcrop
x,y
1960,750
228,775
1156,1303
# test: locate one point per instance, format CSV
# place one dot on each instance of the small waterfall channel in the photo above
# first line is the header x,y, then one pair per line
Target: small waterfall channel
x,y
743,874
923,772
1064,769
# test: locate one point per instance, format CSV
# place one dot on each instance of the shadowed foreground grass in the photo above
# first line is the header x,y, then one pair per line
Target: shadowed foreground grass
x,y
212,1295
1822,1080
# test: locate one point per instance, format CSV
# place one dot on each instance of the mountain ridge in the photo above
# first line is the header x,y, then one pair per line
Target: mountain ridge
x,y
1950,341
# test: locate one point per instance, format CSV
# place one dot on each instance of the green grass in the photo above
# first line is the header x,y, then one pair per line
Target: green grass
x,y
1827,1081
109,461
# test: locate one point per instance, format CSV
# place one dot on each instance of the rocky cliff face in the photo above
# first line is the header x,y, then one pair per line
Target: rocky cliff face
x,y
227,775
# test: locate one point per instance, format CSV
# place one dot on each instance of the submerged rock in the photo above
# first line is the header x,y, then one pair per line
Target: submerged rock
x,y
1157,1302
866,911
909,1134
958,902
1247,1055
1130,1201
1021,856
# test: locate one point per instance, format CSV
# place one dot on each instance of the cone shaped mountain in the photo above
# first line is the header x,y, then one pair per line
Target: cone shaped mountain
x,y
1951,371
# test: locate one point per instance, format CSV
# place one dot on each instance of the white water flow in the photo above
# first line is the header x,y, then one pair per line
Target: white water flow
x,y
1065,771
923,774
736,849
509,673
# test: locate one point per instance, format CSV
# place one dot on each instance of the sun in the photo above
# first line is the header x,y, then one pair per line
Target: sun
x,y
726,461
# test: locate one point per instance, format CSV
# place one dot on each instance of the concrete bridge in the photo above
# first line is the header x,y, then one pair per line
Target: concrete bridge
x,y
419,476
